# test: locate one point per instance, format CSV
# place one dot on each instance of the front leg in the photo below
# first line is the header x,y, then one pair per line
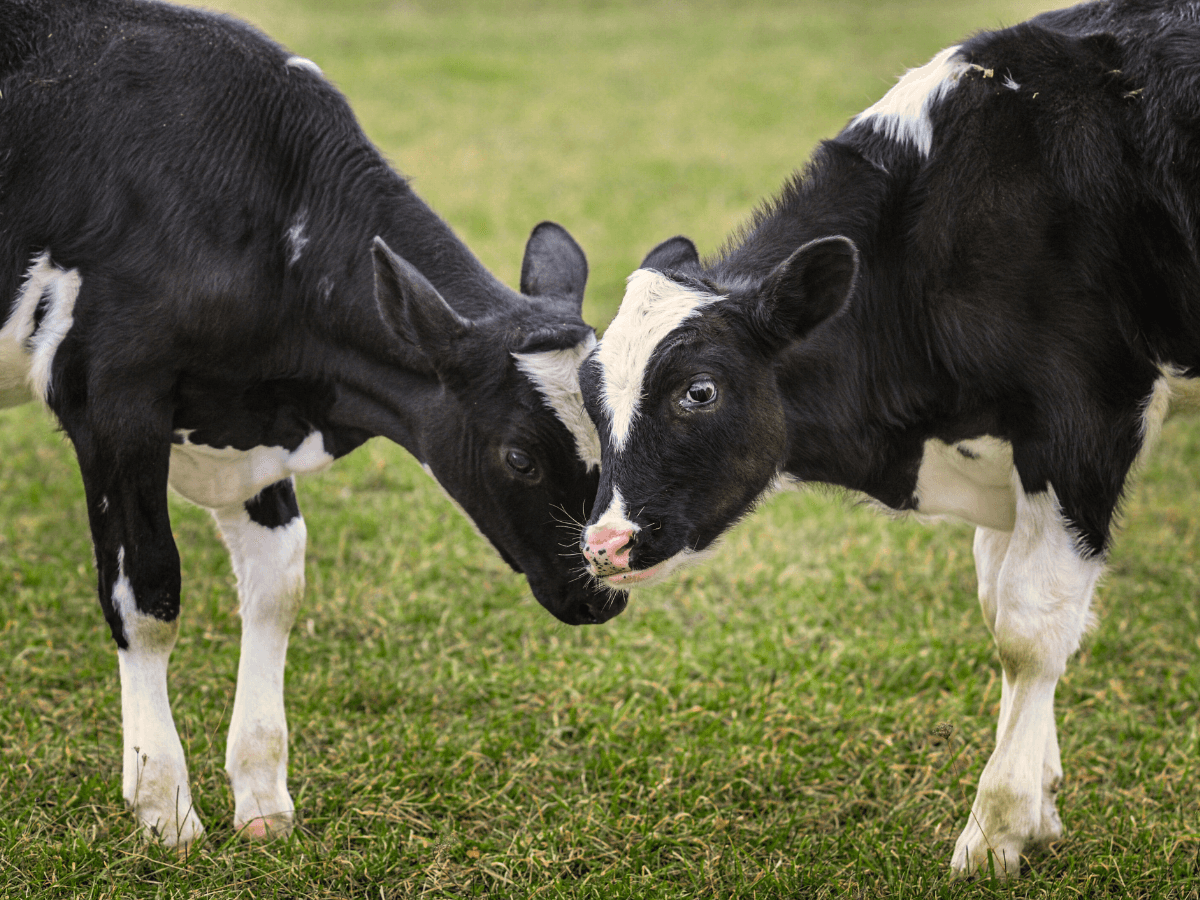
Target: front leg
x,y
138,573
1035,589
266,539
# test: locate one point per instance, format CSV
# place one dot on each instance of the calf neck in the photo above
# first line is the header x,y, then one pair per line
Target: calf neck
x,y
971,303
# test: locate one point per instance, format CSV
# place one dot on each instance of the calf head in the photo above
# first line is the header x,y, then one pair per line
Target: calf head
x,y
505,433
691,422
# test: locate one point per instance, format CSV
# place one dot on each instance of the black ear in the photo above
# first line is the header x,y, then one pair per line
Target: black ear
x,y
672,255
560,337
554,265
411,305
809,286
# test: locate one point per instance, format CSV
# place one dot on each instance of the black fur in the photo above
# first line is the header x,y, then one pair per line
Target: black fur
x,y
1026,280
220,208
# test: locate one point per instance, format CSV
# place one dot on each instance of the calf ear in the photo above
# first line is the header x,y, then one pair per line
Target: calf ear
x,y
808,287
672,254
554,265
411,305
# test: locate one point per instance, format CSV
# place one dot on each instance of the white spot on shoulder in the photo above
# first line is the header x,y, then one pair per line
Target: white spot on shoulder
x,y
653,307
305,65
1009,83
902,114
555,373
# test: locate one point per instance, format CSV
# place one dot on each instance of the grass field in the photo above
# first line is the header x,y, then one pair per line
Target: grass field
x,y
805,717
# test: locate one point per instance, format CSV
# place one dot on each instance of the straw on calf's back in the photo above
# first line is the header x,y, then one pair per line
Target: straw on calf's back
x,y
972,302
216,281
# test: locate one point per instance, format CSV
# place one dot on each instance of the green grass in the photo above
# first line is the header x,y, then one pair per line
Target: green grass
x,y
805,717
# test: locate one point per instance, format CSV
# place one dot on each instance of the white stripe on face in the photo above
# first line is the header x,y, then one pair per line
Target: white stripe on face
x,y
555,373
653,307
902,114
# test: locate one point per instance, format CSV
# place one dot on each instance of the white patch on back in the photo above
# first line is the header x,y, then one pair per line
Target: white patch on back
x,y
296,239
305,65
555,373
653,307
26,355
215,477
970,479
902,114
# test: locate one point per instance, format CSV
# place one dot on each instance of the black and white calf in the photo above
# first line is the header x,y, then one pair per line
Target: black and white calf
x,y
215,281
973,302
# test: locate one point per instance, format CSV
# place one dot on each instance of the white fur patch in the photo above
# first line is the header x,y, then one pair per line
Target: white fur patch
x,y
555,373
219,477
269,565
154,772
296,239
653,307
970,479
1035,590
26,356
902,114
615,516
305,65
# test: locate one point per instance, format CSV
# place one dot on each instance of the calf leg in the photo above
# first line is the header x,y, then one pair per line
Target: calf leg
x,y
138,574
1035,589
266,538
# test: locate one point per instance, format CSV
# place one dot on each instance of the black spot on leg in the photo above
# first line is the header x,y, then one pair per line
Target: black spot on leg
x,y
275,506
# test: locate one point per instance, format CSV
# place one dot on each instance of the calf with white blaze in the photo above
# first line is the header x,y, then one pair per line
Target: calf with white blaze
x,y
973,302
217,282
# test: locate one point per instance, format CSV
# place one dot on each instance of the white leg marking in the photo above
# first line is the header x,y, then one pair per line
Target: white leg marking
x,y
269,564
902,114
1035,591
652,308
555,373
26,355
154,773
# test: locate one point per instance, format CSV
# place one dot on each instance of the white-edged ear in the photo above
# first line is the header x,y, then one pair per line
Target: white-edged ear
x,y
411,305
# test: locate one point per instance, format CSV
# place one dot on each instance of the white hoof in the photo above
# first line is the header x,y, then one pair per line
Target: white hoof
x,y
266,827
179,830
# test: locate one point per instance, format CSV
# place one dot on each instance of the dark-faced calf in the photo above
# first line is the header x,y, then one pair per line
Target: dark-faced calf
x,y
974,302
217,282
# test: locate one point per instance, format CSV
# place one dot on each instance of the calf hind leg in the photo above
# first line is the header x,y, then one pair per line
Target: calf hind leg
x,y
266,540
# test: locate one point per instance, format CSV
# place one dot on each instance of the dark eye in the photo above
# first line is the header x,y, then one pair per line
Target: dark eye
x,y
519,461
700,392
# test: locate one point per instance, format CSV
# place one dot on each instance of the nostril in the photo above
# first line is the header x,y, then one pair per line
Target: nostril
x,y
608,548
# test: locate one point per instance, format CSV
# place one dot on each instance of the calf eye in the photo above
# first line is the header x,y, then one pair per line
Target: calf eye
x,y
700,392
519,462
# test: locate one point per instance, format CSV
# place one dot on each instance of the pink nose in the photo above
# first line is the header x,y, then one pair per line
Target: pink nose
x,y
607,549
